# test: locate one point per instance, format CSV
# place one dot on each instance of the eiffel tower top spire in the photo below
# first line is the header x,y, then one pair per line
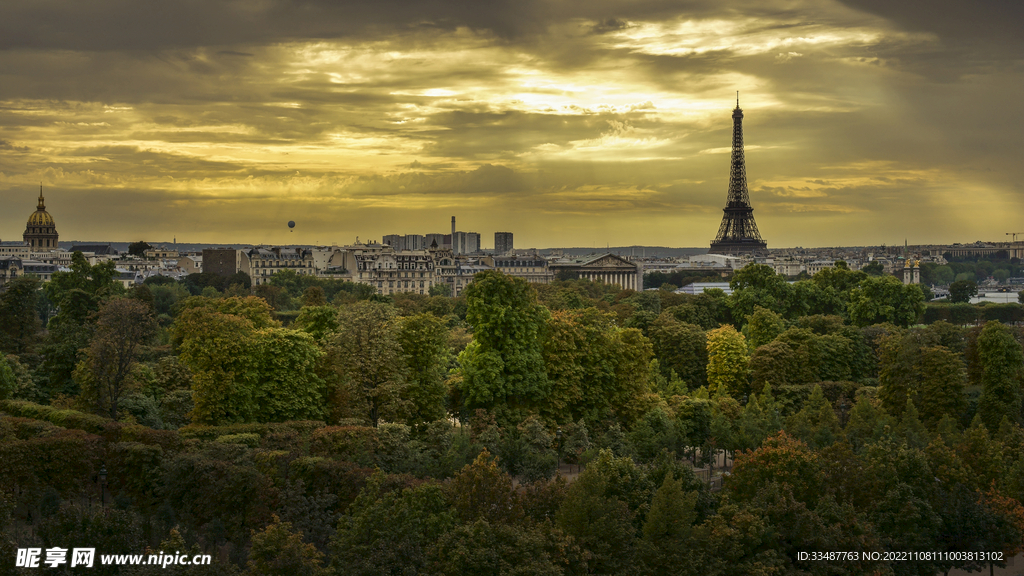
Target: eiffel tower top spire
x,y
738,233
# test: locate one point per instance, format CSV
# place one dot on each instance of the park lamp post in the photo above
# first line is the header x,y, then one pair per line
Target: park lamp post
x,y
103,485
558,460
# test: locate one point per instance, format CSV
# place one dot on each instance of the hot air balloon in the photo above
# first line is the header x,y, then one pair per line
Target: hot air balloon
x,y
291,225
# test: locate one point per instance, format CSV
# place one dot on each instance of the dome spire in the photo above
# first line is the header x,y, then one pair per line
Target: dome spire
x,y
41,205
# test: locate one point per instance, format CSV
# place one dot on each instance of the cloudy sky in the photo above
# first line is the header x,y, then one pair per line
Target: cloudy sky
x,y
566,123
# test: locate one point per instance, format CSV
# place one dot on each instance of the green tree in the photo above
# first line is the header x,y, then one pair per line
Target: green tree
x,y
873,269
19,319
839,278
320,322
8,381
776,364
424,342
289,387
880,299
941,390
486,549
668,527
912,366
758,285
1002,362
575,441
77,294
962,291
278,550
442,289
727,362
139,248
815,423
868,423
165,296
763,326
118,531
369,358
246,371
597,516
910,429
680,347
216,347
503,368
390,531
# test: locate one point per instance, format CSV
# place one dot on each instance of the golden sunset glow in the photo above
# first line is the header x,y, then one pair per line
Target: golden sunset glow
x,y
607,123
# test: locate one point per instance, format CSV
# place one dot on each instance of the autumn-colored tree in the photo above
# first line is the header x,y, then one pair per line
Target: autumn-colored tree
x,y
727,362
780,458
278,550
122,327
481,490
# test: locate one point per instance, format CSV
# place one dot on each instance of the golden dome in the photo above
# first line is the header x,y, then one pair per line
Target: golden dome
x,y
40,217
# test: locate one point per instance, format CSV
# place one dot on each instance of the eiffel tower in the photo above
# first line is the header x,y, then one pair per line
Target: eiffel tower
x,y
738,233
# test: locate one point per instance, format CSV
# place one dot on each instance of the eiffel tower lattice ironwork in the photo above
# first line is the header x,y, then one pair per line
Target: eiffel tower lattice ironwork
x,y
738,233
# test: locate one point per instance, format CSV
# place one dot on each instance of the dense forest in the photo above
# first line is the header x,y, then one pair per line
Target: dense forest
x,y
311,427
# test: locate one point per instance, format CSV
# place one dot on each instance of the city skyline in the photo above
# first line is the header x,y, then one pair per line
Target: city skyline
x,y
607,124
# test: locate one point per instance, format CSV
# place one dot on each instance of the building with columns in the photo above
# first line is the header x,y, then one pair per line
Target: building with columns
x,y
607,268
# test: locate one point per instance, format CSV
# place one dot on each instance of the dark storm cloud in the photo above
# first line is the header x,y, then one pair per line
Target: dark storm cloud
x,y
990,22
106,25
5,145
